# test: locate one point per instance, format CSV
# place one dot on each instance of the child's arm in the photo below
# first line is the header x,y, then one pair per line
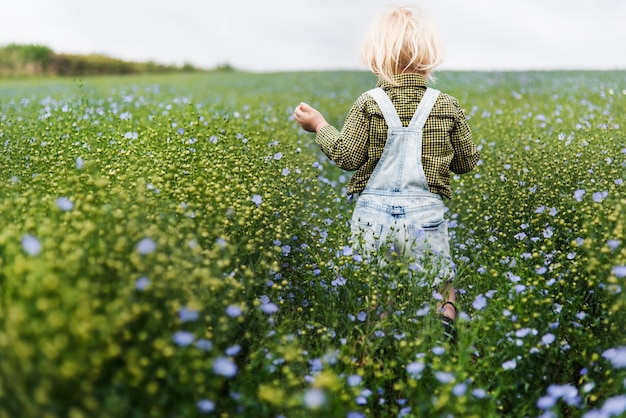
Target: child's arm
x,y
466,154
309,118
348,148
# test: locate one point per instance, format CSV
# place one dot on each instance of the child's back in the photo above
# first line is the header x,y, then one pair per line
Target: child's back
x,y
401,174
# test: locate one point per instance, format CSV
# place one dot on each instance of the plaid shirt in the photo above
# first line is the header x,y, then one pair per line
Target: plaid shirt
x,y
447,140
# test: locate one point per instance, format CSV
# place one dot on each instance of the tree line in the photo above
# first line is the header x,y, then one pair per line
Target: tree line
x,y
28,60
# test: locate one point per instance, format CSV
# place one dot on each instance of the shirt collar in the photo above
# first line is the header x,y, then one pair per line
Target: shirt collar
x,y
404,80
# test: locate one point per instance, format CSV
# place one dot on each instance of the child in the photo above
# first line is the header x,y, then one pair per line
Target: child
x,y
402,154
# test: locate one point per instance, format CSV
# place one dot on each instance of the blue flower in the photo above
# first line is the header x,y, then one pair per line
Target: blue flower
x,y
509,365
438,350
578,195
204,345
314,398
142,283
233,350
423,311
223,366
614,406
415,369
419,234
257,200
183,338
206,405
31,245
479,393
566,392
619,271
548,232
146,246
233,311
613,244
548,339
617,357
185,314
521,333
444,377
480,302
599,196
269,308
354,380
339,281
459,389
546,402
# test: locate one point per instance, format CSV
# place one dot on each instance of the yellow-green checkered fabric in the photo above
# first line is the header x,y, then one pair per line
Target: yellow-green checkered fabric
x,y
447,139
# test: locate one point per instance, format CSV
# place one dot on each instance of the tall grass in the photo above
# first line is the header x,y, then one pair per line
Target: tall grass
x,y
175,246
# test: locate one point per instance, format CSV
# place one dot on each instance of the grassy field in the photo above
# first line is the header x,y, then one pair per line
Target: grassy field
x,y
174,246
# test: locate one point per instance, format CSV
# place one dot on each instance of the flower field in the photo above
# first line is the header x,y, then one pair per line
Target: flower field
x,y
174,246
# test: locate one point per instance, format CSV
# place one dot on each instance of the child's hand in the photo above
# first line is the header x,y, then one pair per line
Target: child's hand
x,y
310,119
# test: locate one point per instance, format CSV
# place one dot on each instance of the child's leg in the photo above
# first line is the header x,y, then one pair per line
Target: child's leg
x,y
448,312
449,295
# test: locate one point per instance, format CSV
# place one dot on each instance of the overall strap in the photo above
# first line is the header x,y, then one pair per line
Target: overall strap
x,y
423,109
387,107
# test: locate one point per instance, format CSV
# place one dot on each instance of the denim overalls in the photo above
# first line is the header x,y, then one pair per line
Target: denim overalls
x,y
396,211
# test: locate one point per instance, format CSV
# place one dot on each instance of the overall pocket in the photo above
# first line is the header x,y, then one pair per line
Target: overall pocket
x,y
430,237
431,249
365,236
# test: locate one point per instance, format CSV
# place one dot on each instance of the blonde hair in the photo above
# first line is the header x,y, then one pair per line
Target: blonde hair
x,y
403,40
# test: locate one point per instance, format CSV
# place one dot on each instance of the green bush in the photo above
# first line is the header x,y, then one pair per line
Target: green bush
x,y
29,59
17,60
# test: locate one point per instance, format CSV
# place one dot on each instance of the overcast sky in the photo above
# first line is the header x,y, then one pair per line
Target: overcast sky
x,y
277,35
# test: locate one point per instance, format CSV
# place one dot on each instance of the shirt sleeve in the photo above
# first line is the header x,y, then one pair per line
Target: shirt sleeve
x,y
348,147
466,154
